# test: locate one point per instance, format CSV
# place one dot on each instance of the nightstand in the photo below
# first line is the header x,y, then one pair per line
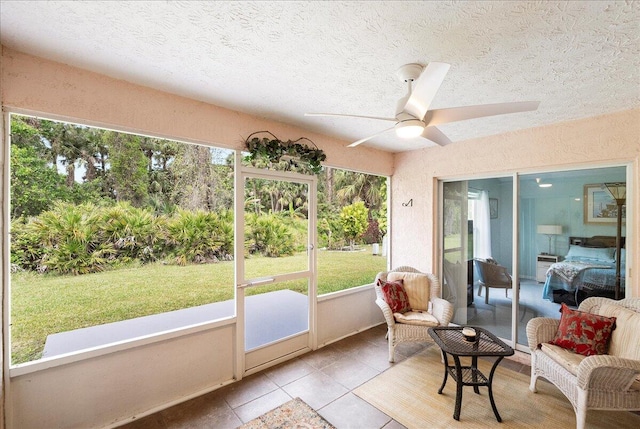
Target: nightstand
x,y
543,263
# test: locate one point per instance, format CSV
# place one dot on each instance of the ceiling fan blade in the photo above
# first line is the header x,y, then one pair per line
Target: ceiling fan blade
x,y
351,116
454,114
435,135
425,89
356,143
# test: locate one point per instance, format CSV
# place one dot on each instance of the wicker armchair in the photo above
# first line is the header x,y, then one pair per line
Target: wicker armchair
x,y
430,309
599,382
492,275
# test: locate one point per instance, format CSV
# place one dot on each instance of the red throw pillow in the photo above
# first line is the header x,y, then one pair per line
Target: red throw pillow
x,y
395,295
584,333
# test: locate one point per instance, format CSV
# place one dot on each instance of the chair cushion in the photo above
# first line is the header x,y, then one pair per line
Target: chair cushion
x,y
395,295
584,333
564,357
417,286
421,318
624,339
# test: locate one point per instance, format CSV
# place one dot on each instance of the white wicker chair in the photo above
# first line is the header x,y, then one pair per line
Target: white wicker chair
x,y
600,382
398,332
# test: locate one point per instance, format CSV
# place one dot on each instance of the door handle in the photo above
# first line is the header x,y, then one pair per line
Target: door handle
x,y
257,282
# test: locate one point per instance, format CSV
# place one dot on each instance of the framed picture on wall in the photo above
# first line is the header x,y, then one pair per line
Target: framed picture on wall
x,y
493,208
599,205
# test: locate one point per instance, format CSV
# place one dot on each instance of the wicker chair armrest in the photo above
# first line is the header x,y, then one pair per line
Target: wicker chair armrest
x,y
541,330
607,372
386,311
442,310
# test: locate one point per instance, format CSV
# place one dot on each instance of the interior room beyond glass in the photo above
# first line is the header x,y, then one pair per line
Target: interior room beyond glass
x,y
566,219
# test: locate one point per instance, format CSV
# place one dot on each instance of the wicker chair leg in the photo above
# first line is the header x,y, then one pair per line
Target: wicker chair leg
x,y
486,295
581,409
534,380
392,348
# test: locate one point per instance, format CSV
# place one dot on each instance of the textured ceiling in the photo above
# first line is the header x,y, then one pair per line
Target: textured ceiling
x,y
279,60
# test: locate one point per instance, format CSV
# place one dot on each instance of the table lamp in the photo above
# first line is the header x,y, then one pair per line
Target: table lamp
x,y
550,231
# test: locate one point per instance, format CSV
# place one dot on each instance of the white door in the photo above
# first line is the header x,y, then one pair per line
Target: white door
x,y
276,284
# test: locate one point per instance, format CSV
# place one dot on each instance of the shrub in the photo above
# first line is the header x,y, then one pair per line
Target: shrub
x,y
72,239
372,234
135,234
26,246
268,235
200,236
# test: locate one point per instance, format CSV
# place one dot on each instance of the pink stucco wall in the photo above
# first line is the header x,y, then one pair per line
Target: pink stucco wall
x,y
612,139
59,91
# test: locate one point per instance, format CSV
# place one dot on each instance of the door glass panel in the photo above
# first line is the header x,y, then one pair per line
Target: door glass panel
x,y
477,225
277,260
276,311
276,227
556,201
455,250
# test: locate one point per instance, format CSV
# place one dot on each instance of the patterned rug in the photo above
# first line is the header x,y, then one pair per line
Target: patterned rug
x,y
295,414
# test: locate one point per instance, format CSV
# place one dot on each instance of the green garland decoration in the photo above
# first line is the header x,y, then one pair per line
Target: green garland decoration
x,y
274,149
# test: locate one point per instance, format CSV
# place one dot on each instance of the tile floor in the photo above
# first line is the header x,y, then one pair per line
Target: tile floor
x,y
324,379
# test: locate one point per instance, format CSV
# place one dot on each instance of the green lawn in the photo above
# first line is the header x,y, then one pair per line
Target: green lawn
x,y
43,305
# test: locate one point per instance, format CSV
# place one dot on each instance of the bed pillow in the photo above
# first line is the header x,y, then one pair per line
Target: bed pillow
x,y
603,254
584,333
395,295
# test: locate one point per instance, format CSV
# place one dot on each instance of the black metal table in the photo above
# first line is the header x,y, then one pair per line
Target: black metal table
x,y
452,343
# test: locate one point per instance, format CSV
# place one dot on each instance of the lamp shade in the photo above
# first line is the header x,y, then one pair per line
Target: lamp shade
x,y
618,191
550,229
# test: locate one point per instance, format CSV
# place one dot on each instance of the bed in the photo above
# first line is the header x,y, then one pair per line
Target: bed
x,y
588,269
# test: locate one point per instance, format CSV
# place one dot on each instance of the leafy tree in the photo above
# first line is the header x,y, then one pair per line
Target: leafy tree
x,y
25,133
128,167
354,221
193,173
352,186
35,185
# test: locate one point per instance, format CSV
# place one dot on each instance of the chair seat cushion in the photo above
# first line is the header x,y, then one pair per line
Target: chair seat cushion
x,y
568,359
421,318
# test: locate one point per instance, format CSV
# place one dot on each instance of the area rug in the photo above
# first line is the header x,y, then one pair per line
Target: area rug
x,y
295,414
408,392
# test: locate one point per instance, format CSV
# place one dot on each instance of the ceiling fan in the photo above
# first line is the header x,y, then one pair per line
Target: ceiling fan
x,y
413,117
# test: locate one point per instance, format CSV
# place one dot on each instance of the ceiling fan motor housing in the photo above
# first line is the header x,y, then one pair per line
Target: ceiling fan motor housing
x,y
409,72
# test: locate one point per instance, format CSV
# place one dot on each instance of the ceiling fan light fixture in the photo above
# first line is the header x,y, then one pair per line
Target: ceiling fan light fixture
x,y
409,128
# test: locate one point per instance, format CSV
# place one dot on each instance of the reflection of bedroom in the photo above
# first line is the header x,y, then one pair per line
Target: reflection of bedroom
x,y
552,210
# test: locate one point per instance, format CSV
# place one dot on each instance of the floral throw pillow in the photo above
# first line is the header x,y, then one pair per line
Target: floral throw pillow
x,y
395,295
584,333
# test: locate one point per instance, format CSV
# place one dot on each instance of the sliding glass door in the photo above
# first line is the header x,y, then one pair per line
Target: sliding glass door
x,y
567,217
557,214
477,252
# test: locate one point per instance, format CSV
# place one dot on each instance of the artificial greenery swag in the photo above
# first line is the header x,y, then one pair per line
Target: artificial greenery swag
x,y
273,149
